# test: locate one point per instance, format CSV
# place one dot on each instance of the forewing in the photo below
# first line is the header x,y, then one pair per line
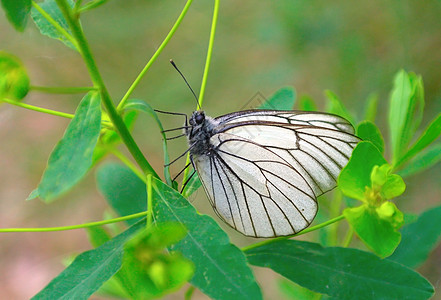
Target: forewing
x,y
293,117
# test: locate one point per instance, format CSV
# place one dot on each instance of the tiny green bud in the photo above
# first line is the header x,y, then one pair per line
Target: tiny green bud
x,y
14,82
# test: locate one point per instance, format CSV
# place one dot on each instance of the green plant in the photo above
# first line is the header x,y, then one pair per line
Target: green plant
x,y
174,244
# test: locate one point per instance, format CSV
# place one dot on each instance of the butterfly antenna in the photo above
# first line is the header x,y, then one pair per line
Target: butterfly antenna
x,y
183,77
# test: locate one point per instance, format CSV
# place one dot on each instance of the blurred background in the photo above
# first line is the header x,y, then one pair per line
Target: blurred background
x,y
260,46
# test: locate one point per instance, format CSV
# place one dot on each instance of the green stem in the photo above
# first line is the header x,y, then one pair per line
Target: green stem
x,y
335,211
313,228
149,201
189,293
97,80
72,227
348,238
90,5
155,55
39,109
61,90
54,23
209,52
206,69
77,5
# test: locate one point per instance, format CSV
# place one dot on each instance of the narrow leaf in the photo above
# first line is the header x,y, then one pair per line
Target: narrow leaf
x,y
432,132
283,99
17,12
89,270
48,29
122,189
405,111
419,239
72,156
367,131
423,160
371,108
398,107
335,106
296,292
221,270
306,103
342,273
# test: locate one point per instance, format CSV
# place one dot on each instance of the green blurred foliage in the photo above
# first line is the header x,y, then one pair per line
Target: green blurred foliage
x,y
351,49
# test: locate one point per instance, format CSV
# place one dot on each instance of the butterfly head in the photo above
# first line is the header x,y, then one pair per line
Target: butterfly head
x,y
197,118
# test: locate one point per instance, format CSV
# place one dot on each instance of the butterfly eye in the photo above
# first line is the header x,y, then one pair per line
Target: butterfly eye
x,y
199,118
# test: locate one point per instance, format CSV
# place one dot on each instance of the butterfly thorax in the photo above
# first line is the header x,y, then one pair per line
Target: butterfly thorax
x,y
201,129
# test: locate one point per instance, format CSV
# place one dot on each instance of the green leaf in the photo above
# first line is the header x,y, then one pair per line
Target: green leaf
x,y
283,99
419,239
89,270
221,270
342,273
393,187
295,292
367,131
306,103
377,228
423,160
14,81
388,185
192,186
371,108
46,28
355,177
139,105
405,111
72,156
432,132
122,189
112,288
335,106
17,12
97,235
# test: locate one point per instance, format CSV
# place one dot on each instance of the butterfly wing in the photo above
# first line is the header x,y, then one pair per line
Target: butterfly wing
x,y
268,167
294,117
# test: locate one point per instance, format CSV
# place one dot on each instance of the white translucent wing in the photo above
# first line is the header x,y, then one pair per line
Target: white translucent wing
x,y
264,176
255,190
289,117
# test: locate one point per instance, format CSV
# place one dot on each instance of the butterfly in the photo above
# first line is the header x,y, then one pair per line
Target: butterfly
x,y
263,170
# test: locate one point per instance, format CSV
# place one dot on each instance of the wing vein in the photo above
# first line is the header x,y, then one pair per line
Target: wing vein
x,y
225,192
